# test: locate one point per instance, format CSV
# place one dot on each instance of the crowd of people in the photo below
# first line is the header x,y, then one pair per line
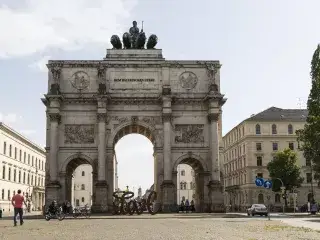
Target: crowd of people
x,y
186,206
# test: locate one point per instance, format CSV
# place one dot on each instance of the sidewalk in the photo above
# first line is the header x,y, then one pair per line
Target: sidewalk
x,y
312,223
9,215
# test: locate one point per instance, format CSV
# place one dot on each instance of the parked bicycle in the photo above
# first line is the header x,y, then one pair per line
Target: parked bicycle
x,y
81,212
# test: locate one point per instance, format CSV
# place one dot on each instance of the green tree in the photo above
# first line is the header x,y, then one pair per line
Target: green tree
x,y
309,137
284,166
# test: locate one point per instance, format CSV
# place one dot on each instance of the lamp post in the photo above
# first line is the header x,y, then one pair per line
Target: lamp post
x,y
311,183
283,188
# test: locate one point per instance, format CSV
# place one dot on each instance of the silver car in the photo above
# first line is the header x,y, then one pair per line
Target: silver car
x,y
257,209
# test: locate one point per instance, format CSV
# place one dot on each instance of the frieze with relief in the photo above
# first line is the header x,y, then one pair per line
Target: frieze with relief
x,y
189,133
150,120
80,80
79,134
188,80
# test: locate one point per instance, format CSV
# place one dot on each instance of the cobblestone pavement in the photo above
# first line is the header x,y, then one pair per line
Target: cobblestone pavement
x,y
155,227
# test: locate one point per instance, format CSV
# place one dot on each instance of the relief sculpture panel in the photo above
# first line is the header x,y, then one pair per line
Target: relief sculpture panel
x,y
79,134
189,133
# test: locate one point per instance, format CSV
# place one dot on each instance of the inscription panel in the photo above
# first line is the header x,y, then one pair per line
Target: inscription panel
x,y
189,133
79,134
133,79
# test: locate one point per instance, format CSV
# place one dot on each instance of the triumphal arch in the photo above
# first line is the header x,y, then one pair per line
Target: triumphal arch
x,y
91,104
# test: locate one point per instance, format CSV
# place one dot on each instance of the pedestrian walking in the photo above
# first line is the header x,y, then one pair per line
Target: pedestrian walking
x,y
17,202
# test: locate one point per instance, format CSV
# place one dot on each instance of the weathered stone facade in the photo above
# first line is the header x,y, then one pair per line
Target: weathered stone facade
x,y
176,104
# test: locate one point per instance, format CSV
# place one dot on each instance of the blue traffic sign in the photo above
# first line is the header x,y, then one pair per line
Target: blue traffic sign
x,y
267,184
259,182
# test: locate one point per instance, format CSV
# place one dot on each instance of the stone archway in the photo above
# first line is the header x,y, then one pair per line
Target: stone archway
x,y
92,104
201,179
134,125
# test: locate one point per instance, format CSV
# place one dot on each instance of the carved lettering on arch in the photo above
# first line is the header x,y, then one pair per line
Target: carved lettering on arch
x,y
189,133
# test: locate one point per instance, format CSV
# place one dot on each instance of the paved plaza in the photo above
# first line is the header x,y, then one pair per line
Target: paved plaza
x,y
155,227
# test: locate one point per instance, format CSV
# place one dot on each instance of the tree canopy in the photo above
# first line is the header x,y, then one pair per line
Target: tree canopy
x,y
309,137
284,166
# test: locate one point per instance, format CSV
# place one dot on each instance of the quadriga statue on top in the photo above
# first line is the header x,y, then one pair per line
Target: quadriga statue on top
x,y
134,39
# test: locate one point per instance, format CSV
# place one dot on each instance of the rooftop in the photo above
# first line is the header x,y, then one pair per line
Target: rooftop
x,y
279,114
22,138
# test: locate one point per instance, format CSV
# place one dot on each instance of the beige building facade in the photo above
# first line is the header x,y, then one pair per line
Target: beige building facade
x,y
186,183
22,166
90,105
251,145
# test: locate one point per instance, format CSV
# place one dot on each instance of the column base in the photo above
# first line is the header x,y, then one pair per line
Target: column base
x,y
52,192
100,204
216,197
168,189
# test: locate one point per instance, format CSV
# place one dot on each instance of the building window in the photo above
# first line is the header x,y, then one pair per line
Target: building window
x,y
9,174
4,148
274,129
14,193
4,172
10,150
14,175
309,177
277,198
290,129
24,177
260,175
184,185
20,155
258,146
24,157
260,198
191,185
29,159
82,199
15,153
83,187
259,161
258,129
83,174
183,173
2,194
19,177
310,197
31,179
42,165
77,203
28,179
291,146
32,161
308,162
275,146
9,195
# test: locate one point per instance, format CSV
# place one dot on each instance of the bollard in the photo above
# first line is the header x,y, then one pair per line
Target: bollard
x,y
0,213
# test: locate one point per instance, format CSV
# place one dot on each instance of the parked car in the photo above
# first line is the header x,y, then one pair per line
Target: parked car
x,y
257,209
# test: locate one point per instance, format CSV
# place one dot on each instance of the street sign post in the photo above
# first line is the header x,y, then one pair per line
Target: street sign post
x,y
259,182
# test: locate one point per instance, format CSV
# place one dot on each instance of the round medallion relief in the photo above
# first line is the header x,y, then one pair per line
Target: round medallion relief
x,y
80,80
188,80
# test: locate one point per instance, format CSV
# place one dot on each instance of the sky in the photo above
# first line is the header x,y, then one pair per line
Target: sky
x,y
265,48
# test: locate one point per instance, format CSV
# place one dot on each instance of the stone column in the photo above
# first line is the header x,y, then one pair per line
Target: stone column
x,y
55,119
167,186
101,147
101,194
53,185
215,186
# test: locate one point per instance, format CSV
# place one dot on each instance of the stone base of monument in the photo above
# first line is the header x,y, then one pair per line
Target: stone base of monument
x,y
52,192
101,200
217,198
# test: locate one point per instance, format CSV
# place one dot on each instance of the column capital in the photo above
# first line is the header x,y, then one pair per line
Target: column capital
x,y
101,117
213,117
55,117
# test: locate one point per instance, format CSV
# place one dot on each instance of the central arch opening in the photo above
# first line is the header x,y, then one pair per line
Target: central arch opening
x,y
134,160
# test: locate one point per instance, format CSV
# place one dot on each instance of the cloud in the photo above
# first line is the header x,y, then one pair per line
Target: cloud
x,y
40,64
67,25
9,118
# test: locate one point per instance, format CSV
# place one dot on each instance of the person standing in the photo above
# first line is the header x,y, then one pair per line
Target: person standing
x,y
17,202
